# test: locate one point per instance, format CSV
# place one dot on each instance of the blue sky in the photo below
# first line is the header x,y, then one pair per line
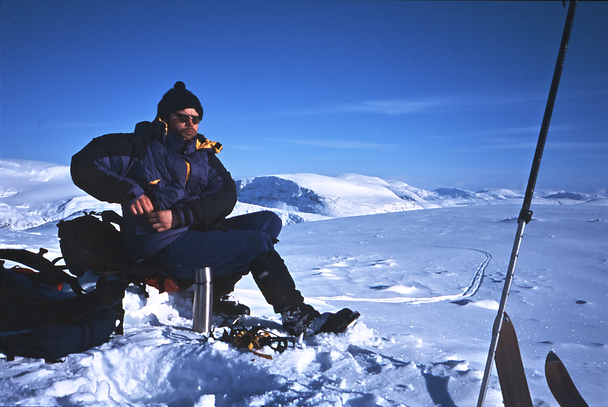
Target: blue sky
x,y
436,94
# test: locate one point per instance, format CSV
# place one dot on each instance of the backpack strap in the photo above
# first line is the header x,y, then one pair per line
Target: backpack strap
x,y
111,217
48,273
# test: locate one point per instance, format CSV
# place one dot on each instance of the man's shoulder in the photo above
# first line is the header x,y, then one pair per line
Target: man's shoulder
x,y
155,128
125,143
143,127
144,132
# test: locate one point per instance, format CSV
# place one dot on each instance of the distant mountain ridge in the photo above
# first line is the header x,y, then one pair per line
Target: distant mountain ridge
x,y
34,193
322,195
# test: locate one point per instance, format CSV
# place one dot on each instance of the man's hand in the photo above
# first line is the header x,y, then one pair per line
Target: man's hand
x,y
162,220
142,205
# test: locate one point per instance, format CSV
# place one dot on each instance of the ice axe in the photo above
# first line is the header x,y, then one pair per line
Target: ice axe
x,y
525,215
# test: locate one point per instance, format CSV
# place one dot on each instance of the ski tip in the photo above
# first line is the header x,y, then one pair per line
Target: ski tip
x,y
552,358
560,383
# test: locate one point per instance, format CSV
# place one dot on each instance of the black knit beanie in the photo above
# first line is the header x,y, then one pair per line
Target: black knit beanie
x,y
176,99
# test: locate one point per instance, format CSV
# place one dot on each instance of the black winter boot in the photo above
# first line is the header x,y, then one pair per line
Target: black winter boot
x,y
275,282
223,304
306,320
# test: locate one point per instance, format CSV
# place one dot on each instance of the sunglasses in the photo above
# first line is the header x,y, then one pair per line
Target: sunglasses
x,y
184,118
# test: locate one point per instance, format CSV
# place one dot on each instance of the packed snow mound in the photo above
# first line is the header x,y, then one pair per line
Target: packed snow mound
x,y
323,195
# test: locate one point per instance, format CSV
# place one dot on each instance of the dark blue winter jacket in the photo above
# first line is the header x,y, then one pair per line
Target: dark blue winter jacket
x,y
183,176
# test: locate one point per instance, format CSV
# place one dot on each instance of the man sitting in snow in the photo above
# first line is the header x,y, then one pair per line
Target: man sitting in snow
x,y
176,194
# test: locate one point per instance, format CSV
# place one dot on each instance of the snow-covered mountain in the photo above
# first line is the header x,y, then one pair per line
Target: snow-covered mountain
x,y
34,193
424,268
328,196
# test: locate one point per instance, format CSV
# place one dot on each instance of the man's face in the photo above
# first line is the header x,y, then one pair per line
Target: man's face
x,y
182,123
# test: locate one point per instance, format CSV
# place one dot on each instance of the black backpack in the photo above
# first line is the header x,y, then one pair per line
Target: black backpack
x,y
39,320
92,243
89,243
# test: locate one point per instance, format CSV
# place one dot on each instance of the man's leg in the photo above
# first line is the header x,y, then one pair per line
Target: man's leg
x,y
226,252
275,282
264,221
231,254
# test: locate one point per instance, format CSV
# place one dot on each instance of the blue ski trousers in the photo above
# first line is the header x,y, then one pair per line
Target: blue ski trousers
x,y
228,250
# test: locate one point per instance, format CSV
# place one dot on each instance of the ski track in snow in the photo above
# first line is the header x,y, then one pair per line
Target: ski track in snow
x,y
469,291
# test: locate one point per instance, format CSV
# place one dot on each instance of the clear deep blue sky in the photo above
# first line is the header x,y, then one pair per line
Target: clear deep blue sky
x,y
436,94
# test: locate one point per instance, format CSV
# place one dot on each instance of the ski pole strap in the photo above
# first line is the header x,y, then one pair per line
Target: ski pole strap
x,y
525,215
256,338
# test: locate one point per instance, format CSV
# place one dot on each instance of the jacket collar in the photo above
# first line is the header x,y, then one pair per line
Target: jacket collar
x,y
160,131
179,145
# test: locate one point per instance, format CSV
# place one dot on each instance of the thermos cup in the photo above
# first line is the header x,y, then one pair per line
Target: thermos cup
x,y
202,308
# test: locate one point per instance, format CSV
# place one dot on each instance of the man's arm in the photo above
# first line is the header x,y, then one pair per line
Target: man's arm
x,y
100,169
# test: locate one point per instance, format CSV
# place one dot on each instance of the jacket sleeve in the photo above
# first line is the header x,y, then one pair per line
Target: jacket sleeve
x,y
217,202
100,168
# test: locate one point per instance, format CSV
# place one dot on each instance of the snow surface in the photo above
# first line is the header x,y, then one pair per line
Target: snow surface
x,y
424,268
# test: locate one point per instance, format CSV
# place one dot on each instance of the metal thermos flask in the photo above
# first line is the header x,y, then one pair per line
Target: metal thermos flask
x,y
202,308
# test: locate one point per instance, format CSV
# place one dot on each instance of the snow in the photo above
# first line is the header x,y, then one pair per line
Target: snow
x,y
424,268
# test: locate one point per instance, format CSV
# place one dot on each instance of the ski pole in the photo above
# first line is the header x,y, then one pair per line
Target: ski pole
x,y
525,214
